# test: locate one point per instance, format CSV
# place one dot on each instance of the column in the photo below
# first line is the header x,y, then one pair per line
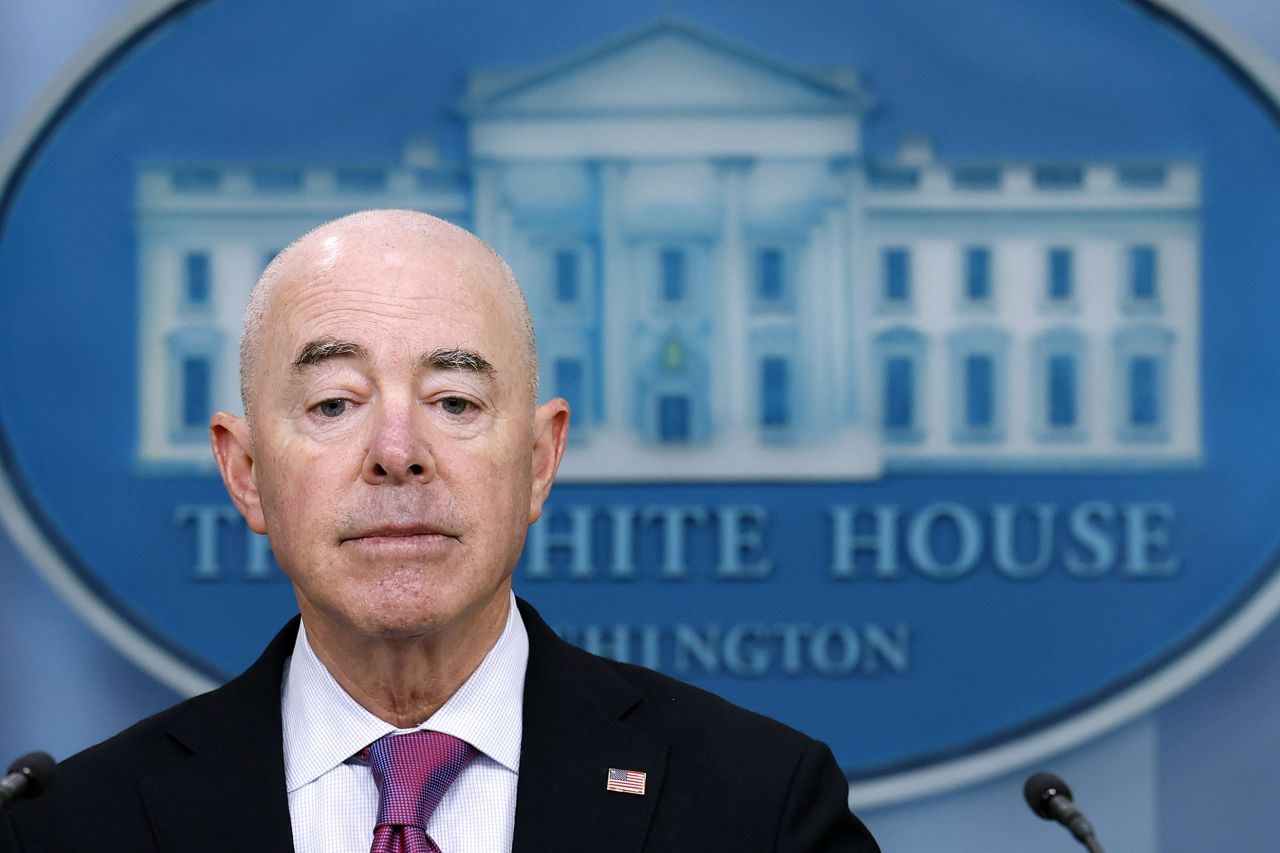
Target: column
x,y
616,295
731,371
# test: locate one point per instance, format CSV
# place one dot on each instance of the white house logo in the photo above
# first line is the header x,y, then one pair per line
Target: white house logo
x,y
727,286
874,383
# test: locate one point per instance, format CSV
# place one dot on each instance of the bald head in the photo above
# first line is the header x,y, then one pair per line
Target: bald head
x,y
309,263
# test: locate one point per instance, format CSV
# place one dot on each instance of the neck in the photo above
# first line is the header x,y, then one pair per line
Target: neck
x,y
405,679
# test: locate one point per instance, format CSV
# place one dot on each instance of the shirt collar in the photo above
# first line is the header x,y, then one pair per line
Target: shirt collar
x,y
324,726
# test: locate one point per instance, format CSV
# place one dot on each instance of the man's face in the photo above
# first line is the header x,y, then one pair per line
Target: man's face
x,y
397,458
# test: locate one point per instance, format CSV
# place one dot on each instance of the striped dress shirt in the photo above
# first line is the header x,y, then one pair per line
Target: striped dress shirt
x,y
333,801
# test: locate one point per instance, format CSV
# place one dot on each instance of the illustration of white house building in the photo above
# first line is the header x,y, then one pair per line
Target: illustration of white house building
x,y
725,286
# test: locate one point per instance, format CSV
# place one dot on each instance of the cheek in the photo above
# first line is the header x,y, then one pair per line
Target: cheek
x,y
508,485
294,498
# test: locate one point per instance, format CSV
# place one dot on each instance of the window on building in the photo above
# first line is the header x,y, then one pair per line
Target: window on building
x,y
771,284
775,392
196,280
1059,385
190,382
569,384
439,180
1061,275
977,274
899,393
891,177
196,388
977,378
277,180
672,265
899,356
356,179
1143,355
1144,394
979,392
976,177
896,268
195,179
566,273
1058,176
1143,272
673,419
1061,403
1142,176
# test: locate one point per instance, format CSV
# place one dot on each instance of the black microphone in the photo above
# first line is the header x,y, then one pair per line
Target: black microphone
x,y
28,776
1050,798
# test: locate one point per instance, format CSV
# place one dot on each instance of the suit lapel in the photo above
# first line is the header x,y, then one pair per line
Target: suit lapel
x,y
574,732
228,792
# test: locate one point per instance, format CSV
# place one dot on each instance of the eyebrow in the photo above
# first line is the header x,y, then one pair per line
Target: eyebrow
x,y
442,358
322,350
453,358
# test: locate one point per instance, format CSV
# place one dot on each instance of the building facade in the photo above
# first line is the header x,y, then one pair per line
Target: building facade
x,y
726,286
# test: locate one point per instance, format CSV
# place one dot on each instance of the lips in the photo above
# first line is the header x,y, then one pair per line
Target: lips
x,y
397,534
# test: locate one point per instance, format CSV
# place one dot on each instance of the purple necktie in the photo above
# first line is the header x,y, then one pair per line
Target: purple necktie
x,y
412,772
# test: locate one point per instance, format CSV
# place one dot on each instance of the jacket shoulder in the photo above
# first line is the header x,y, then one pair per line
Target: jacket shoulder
x,y
237,724
683,710
734,779
100,787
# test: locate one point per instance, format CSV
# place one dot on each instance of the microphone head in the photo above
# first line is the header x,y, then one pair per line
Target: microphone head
x,y
38,767
1042,787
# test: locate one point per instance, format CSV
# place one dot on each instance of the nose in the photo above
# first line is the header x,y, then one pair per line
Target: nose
x,y
399,451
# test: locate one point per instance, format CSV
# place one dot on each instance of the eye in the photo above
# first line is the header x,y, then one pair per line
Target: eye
x,y
455,405
332,408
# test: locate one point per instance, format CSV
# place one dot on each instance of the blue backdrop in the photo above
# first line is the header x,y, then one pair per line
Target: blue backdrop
x,y
1144,785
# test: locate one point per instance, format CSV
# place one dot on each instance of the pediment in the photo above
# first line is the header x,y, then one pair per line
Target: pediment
x,y
665,67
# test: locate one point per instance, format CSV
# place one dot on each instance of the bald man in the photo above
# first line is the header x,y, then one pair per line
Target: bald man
x,y
394,450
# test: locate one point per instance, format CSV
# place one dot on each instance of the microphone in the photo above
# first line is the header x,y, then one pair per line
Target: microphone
x,y
1050,798
27,777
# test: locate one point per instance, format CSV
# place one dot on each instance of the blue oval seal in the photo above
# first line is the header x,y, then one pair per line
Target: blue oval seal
x,y
918,356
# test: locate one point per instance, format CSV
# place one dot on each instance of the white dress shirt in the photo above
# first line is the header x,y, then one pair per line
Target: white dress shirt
x,y
333,803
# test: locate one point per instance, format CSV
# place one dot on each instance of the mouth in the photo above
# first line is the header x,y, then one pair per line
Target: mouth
x,y
398,536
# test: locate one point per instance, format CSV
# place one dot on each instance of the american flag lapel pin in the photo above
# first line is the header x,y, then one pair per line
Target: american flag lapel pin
x,y
625,781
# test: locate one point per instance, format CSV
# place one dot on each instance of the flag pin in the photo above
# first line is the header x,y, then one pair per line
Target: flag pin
x,y
625,781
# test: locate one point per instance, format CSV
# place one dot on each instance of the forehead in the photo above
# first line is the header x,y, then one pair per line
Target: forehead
x,y
384,289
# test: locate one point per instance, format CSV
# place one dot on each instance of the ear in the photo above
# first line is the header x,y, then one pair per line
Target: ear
x,y
233,449
550,432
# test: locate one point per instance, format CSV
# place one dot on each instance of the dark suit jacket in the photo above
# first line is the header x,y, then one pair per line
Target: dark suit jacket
x,y
208,774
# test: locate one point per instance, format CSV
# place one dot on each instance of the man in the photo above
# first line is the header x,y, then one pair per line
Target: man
x,y
393,449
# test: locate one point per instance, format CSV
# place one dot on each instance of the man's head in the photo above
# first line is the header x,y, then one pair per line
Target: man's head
x,y
392,446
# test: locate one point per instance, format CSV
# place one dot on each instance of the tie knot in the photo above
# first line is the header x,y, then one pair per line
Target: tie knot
x,y
413,771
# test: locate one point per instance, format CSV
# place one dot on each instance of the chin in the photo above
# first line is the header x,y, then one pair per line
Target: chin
x,y
401,631
397,622
407,603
